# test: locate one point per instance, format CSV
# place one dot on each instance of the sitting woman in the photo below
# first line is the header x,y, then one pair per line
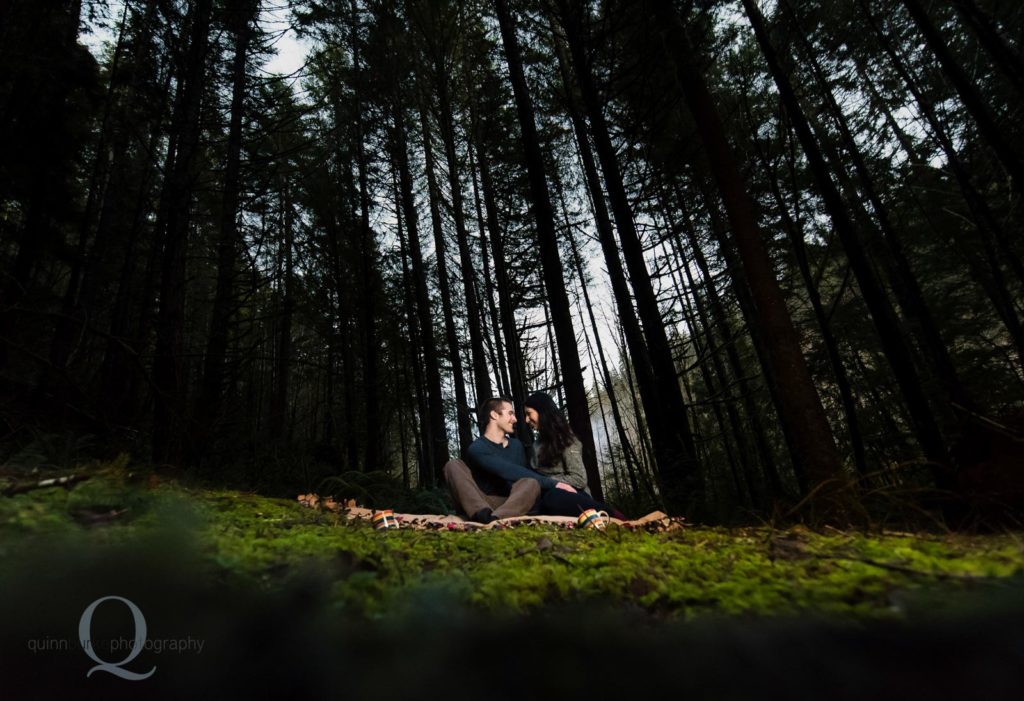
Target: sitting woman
x,y
557,454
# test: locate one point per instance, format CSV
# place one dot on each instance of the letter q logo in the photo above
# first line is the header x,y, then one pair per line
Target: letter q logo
x,y
115,668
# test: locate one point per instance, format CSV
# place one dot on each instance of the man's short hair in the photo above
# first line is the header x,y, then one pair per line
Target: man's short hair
x,y
487,406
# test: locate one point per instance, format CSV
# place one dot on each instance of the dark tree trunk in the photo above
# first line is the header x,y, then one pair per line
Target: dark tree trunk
x,y
342,289
506,311
716,393
282,359
112,137
481,378
627,448
991,233
799,403
839,374
209,407
709,352
369,276
436,441
667,389
554,282
771,486
577,265
741,290
665,442
462,412
36,133
891,336
169,370
425,450
638,419
498,357
121,368
556,372
904,281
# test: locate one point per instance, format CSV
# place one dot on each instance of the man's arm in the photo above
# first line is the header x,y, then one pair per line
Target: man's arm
x,y
506,469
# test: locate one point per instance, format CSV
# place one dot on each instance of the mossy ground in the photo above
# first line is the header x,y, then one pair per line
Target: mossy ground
x,y
264,543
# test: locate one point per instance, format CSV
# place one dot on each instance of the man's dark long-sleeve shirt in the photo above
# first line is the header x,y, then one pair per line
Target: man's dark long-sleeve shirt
x,y
502,465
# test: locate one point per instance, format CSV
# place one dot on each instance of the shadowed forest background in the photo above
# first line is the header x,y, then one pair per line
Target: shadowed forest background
x,y
767,255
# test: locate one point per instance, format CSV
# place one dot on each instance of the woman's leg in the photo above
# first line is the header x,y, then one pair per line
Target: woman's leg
x,y
558,502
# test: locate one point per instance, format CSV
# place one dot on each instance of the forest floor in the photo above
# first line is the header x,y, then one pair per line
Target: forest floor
x,y
201,560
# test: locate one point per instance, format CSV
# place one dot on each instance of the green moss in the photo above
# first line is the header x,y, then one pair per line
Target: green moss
x,y
264,542
42,511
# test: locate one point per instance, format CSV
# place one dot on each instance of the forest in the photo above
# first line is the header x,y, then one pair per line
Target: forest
x,y
766,255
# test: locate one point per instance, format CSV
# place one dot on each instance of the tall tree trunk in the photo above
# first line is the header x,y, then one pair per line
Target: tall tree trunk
x,y
209,407
577,266
894,344
121,369
796,238
839,373
282,358
73,312
462,413
799,403
554,370
506,312
481,378
490,308
666,443
905,285
638,419
627,448
436,441
169,381
425,454
554,282
668,392
721,393
368,270
48,34
991,233
774,488
342,290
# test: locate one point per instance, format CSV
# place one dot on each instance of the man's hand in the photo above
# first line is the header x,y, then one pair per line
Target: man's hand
x,y
566,487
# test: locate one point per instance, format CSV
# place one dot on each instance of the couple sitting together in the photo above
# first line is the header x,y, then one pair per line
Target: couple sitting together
x,y
500,481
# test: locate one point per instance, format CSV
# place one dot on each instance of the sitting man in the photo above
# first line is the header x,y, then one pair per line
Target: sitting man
x,y
499,485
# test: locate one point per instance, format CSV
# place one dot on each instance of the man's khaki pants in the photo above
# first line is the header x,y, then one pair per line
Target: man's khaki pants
x,y
523,495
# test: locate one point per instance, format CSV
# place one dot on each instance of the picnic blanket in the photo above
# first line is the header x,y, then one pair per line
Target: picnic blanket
x,y
348,509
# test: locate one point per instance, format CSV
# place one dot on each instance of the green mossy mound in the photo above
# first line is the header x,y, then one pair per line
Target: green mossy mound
x,y
268,544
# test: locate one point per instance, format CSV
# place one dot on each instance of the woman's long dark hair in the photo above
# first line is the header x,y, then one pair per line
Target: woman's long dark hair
x,y
555,434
